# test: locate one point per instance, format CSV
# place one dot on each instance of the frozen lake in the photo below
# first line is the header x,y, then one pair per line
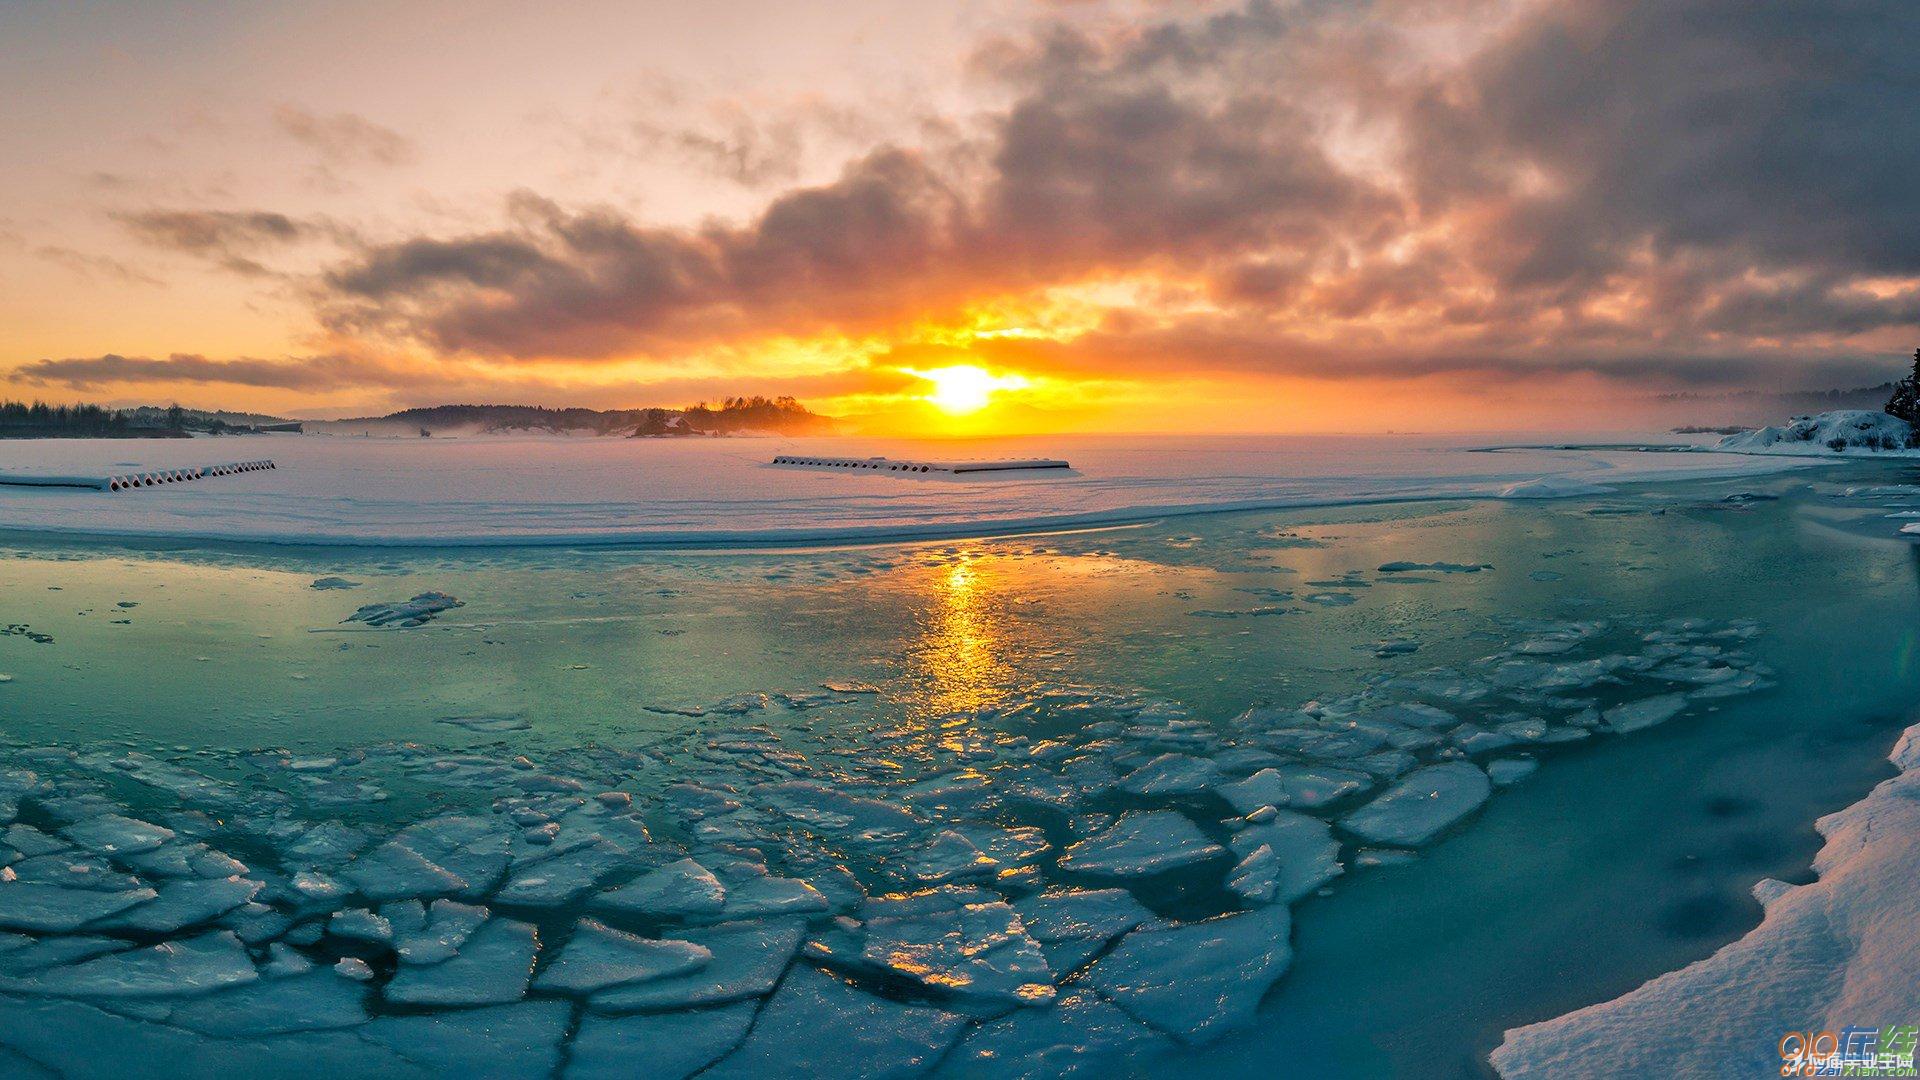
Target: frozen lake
x,y
1342,789
548,490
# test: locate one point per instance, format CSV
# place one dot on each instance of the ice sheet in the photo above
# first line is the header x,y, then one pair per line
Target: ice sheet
x,y
533,490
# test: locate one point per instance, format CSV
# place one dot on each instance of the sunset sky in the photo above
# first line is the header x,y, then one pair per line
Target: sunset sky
x,y
1146,214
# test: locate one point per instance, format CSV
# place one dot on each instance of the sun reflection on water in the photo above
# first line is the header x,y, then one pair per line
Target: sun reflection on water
x,y
962,652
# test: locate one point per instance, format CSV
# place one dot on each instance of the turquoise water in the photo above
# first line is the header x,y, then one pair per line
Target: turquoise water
x,y
1622,856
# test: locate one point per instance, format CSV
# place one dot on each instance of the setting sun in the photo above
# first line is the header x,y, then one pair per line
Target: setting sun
x,y
964,388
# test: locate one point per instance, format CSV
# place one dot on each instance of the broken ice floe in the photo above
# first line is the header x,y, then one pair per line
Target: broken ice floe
x,y
1011,885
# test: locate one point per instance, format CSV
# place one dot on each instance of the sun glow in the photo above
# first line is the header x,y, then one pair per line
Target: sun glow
x,y
964,388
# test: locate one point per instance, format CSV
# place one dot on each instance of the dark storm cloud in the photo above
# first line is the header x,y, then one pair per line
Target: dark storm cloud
x,y
1693,190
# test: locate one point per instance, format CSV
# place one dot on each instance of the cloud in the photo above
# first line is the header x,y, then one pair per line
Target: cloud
x,y
1695,192
228,239
307,373
345,138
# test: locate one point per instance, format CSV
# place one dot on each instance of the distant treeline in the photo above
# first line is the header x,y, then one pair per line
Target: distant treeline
x,y
734,414
39,420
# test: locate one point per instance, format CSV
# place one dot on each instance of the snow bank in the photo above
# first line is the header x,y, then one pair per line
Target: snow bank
x,y
1848,431
1840,952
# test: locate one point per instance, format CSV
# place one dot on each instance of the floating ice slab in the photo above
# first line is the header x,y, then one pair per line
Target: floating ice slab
x,y
563,877
1196,982
680,889
1421,805
1078,1036
1171,774
598,956
659,1046
819,1026
1645,713
1141,844
1304,846
748,959
56,909
181,904
491,968
183,968
405,613
112,834
979,953
508,1042
316,1000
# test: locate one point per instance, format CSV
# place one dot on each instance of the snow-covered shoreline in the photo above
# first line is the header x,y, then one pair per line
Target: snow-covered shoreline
x,y
1841,951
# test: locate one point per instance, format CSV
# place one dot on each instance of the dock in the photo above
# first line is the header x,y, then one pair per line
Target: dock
x,y
891,465
133,480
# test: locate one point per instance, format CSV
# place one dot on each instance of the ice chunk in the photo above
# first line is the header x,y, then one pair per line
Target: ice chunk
x,y
597,956
1141,844
1256,877
56,909
394,871
819,1026
415,612
1171,774
111,834
432,934
748,959
181,904
1294,785
492,968
563,877
488,725
1421,805
950,856
1078,1037
359,924
1511,770
1197,981
1074,914
662,1046
1304,847
508,1042
183,968
1646,712
979,953
313,1001
678,890
831,808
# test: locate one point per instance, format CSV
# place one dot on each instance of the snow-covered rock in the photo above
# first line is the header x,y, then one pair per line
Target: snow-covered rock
x,y
1847,431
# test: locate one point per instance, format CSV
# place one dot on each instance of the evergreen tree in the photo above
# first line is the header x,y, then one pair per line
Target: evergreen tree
x,y
1905,402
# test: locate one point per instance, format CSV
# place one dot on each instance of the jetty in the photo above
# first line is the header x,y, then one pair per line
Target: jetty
x,y
891,465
